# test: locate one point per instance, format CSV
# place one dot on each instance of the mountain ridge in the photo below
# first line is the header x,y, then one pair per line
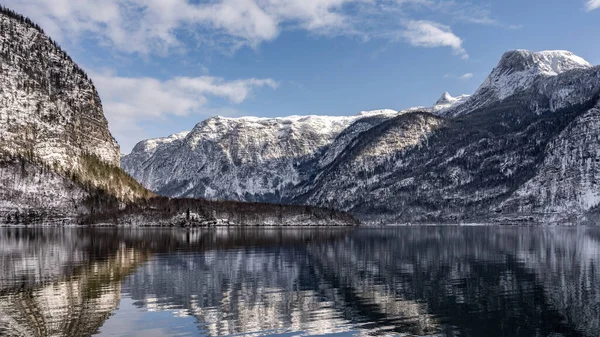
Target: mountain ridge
x,y
463,159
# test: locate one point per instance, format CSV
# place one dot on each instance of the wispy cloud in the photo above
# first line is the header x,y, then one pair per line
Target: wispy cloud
x,y
466,76
157,26
463,11
432,34
459,11
130,101
592,5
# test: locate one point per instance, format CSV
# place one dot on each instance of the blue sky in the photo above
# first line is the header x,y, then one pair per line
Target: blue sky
x,y
161,66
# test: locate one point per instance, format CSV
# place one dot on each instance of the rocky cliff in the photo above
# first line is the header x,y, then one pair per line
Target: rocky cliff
x,y
48,105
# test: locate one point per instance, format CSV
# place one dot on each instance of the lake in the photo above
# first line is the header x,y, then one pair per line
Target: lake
x,y
408,281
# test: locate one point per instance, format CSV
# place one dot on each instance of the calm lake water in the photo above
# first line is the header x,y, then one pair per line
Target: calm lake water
x,y
419,281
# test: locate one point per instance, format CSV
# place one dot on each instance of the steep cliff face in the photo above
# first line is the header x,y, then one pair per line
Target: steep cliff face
x,y
568,179
248,158
521,148
54,138
48,106
345,181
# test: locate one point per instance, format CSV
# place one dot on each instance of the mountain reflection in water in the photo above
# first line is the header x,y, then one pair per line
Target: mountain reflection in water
x,y
436,281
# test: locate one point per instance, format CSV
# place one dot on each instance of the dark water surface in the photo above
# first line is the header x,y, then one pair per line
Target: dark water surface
x,y
419,281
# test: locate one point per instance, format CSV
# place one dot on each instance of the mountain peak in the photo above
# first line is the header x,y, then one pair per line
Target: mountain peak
x,y
548,62
518,69
445,99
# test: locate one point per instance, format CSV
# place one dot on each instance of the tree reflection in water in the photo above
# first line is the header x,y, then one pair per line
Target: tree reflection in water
x,y
442,281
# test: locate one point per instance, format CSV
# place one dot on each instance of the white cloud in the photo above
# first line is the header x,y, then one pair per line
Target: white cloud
x,y
430,34
150,26
466,76
592,5
157,26
130,101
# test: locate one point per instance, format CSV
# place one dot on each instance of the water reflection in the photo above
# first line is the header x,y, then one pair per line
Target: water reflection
x,y
60,283
436,281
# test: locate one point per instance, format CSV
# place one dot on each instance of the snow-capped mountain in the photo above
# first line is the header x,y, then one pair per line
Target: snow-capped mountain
x,y
59,163
447,101
521,148
517,71
569,176
247,158
529,156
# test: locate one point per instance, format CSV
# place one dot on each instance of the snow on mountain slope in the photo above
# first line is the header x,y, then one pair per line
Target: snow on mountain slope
x,y
48,106
350,135
568,180
505,159
256,159
253,158
55,147
151,145
518,70
469,158
447,101
458,170
370,158
38,194
571,88
378,112
133,163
